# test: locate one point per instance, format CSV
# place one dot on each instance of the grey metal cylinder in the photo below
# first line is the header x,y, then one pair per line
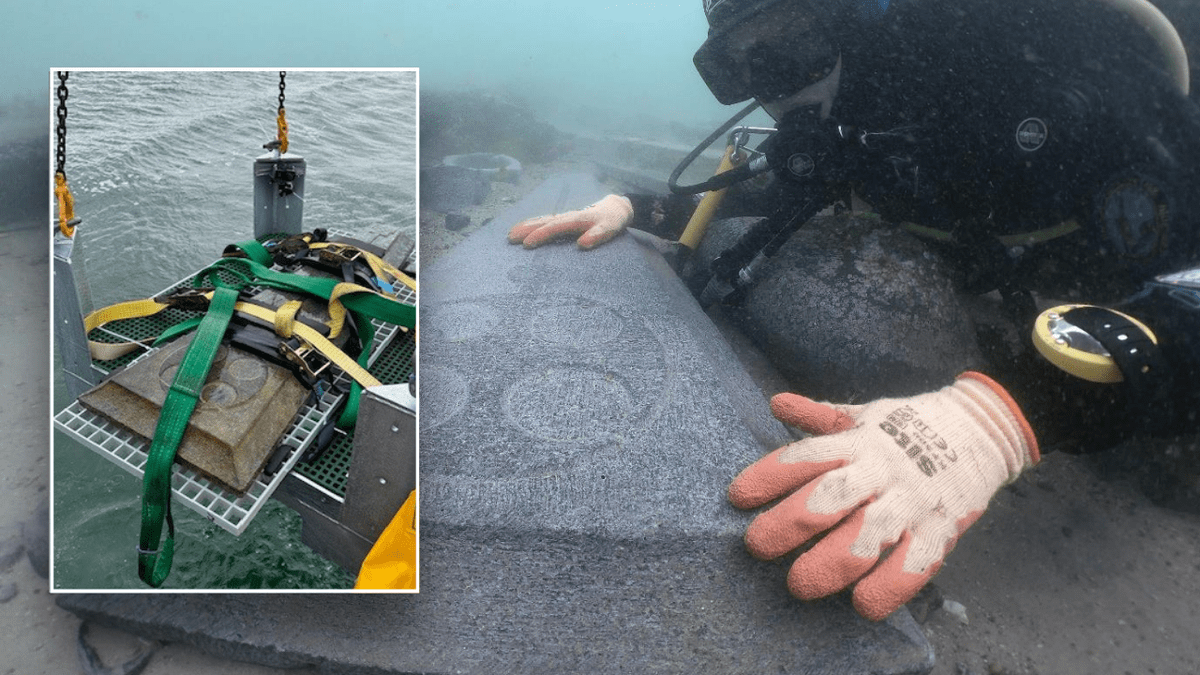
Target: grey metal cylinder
x,y
278,194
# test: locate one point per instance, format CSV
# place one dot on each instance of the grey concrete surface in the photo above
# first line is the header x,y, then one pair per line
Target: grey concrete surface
x,y
580,421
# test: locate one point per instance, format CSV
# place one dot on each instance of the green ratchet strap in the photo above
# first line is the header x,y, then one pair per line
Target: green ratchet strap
x,y
368,303
253,250
154,563
366,333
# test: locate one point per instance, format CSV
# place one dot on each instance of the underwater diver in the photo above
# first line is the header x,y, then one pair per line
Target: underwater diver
x,y
1044,147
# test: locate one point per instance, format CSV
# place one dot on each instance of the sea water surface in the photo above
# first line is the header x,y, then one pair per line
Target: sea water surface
x,y
161,166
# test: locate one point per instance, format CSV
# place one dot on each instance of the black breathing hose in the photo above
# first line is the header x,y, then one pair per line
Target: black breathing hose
x,y
718,181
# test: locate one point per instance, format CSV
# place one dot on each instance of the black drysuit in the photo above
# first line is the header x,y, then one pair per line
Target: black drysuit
x,y
1042,148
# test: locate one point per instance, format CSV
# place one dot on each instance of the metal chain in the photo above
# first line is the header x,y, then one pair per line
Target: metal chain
x,y
61,154
281,140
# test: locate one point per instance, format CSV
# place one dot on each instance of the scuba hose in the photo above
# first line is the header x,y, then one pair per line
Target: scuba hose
x,y
805,153
735,270
698,223
717,182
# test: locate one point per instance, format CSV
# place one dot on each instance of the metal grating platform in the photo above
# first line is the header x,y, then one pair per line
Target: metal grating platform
x,y
233,512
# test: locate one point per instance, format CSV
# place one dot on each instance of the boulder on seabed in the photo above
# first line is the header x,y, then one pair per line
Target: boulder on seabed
x,y
852,309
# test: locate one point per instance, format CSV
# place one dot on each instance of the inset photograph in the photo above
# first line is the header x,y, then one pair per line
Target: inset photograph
x,y
234,306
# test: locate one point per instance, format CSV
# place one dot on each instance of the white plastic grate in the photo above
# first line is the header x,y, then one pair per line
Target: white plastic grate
x,y
406,295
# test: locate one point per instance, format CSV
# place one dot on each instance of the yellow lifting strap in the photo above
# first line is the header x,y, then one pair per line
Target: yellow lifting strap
x,y
285,318
317,341
382,268
337,311
66,205
134,309
392,561
284,321
281,122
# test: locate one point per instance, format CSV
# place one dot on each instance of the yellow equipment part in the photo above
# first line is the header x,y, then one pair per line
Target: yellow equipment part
x,y
694,232
392,561
66,205
382,268
1053,339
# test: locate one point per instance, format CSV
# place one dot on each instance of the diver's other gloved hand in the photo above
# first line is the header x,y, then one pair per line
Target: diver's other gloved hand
x,y
598,223
898,479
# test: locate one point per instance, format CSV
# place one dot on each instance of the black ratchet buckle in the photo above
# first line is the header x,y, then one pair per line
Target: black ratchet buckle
x,y
339,254
310,362
187,299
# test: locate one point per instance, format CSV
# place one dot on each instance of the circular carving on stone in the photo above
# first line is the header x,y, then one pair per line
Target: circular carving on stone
x,y
460,321
246,369
576,325
569,404
170,365
219,394
557,380
443,393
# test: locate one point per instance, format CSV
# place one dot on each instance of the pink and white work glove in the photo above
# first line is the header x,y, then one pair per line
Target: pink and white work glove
x,y
898,479
596,224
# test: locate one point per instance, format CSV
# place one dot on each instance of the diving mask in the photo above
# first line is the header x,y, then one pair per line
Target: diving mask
x,y
767,50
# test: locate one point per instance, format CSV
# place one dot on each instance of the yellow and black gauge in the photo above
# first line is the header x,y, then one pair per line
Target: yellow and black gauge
x,y
1077,351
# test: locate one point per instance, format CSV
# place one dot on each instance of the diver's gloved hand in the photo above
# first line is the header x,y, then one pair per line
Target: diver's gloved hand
x,y
898,479
598,223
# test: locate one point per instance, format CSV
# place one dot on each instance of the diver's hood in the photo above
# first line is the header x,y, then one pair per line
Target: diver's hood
x,y
771,49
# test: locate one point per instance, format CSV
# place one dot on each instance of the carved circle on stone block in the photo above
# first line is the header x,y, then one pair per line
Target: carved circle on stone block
x,y
562,369
444,392
462,321
233,379
246,370
578,325
219,394
569,404
170,365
